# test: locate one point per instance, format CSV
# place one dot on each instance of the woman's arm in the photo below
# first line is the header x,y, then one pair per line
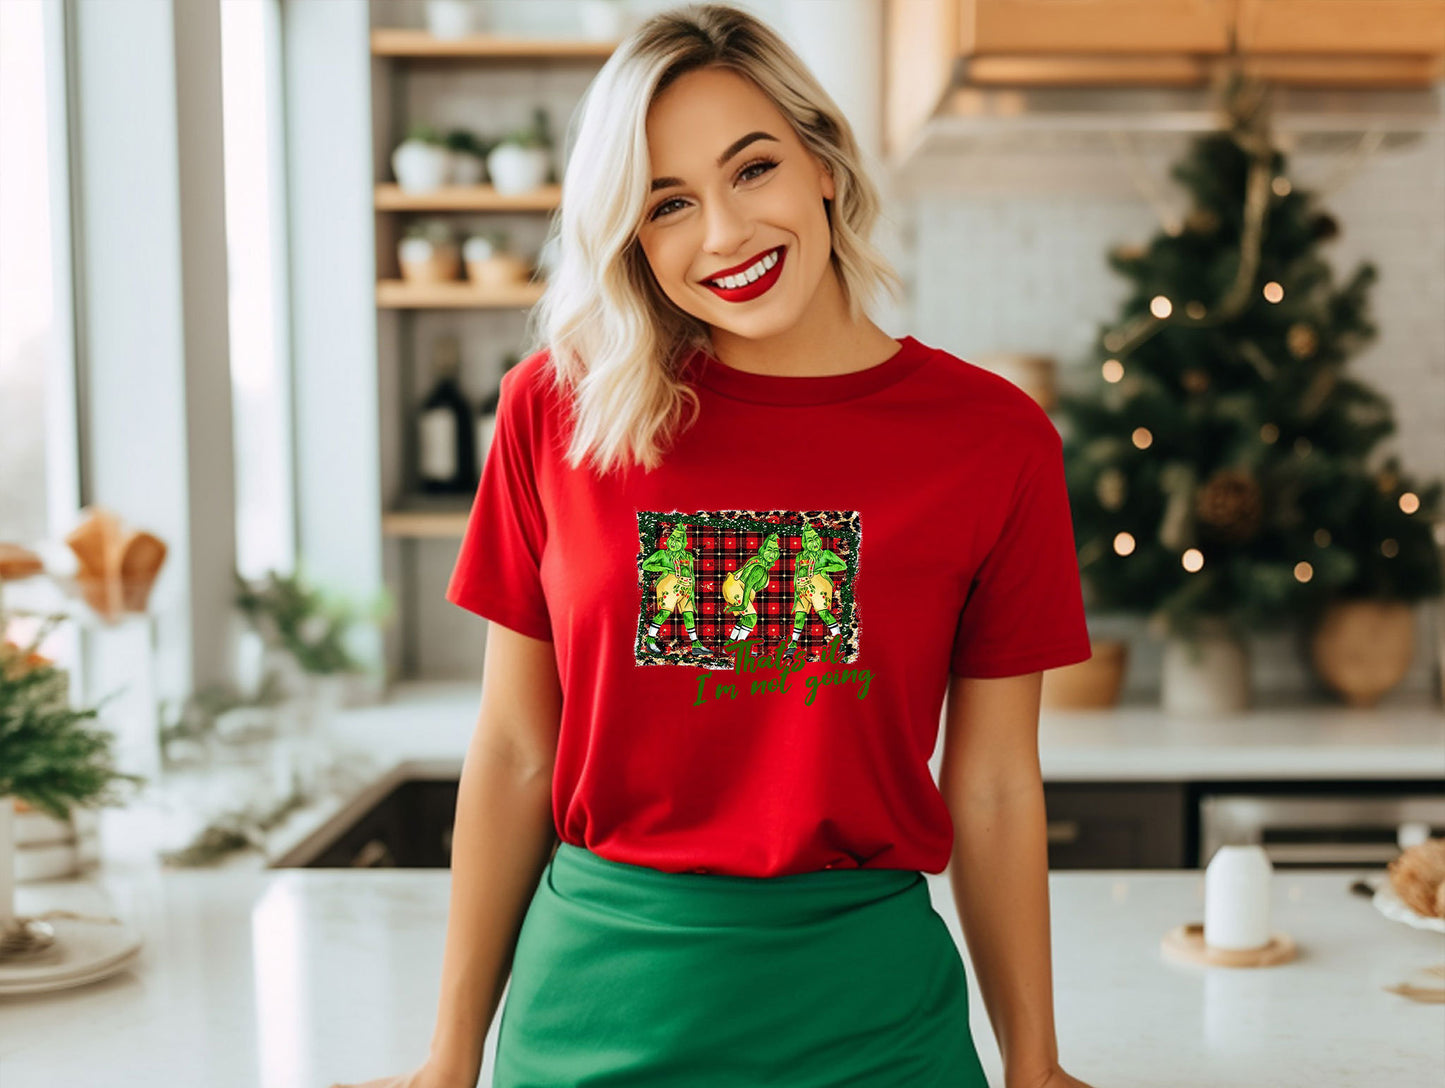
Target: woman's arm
x,y
502,839
991,780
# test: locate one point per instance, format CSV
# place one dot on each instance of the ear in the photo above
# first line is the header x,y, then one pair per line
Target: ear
x,y
827,183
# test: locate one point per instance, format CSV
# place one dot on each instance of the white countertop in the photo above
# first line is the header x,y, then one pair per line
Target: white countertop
x,y
1403,738
298,978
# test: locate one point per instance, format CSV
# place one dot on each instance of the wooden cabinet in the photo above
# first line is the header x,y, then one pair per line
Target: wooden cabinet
x,y
933,45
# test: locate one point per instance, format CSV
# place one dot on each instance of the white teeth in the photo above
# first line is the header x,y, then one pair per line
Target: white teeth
x,y
751,274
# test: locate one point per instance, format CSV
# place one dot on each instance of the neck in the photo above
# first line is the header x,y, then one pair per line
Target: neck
x,y
825,340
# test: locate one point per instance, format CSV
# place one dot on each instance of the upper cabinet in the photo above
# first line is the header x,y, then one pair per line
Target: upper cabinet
x,y
932,45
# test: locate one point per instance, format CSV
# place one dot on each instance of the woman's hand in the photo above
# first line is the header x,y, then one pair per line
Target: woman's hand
x,y
1053,1078
428,1076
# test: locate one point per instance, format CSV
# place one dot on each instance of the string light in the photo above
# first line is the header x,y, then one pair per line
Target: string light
x,y
1389,547
1193,560
1322,537
1270,433
1124,544
1302,446
1160,307
1409,502
1303,572
1142,438
1273,292
1281,186
1113,370
1195,310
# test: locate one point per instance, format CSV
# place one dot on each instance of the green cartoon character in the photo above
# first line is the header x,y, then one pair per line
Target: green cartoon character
x,y
812,588
741,587
674,590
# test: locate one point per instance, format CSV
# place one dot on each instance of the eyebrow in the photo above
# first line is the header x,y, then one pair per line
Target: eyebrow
x,y
732,149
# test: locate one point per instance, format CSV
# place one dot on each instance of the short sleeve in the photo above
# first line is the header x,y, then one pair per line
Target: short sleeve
x,y
498,568
1025,611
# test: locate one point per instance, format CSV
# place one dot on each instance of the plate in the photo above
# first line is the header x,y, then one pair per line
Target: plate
x,y
87,951
1392,906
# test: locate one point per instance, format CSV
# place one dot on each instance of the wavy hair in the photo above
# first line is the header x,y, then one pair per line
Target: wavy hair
x,y
616,342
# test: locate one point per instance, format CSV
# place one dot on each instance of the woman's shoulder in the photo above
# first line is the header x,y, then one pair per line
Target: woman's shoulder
x,y
982,397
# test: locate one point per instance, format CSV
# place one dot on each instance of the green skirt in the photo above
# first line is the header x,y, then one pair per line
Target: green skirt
x,y
626,975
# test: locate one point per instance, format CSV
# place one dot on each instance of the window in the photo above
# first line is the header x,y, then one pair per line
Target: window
x,y
256,270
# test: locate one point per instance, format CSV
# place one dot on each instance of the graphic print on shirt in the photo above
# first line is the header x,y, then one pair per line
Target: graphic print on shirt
x,y
763,583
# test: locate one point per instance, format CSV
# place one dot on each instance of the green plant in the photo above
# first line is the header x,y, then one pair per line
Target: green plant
x,y
49,758
461,139
427,134
537,134
240,829
311,626
436,231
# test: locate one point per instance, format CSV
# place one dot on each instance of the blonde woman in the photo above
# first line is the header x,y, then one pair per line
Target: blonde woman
x,y
708,869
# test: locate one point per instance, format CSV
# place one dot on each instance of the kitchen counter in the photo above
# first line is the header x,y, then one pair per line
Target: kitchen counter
x,y
1401,738
423,730
298,978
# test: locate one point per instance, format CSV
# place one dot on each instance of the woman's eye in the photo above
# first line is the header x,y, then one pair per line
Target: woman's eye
x,y
762,166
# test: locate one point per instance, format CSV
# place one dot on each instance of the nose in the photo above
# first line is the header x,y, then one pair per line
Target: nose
x,y
726,228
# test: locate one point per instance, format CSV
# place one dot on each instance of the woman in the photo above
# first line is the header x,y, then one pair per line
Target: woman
x,y
721,638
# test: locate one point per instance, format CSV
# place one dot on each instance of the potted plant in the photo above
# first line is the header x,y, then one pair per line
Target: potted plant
x,y
305,632
451,19
489,262
423,161
1382,525
468,157
428,253
50,761
602,20
522,160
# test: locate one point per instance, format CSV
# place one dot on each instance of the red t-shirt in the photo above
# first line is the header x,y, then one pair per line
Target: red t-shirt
x,y
906,520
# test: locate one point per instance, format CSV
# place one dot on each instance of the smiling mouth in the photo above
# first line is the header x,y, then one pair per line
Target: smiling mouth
x,y
760,265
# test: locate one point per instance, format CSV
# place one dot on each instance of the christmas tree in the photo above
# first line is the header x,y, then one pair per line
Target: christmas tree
x,y
1220,469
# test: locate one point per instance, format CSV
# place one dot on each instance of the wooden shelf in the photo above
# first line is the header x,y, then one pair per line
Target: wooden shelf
x,y
399,42
456,295
425,524
390,197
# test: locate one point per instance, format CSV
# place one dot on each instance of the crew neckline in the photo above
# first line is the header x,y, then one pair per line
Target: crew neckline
x,y
790,390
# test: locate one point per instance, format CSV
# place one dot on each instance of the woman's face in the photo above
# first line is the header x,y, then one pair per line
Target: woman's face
x,y
734,194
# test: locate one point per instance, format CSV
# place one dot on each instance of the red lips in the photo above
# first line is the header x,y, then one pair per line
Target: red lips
x,y
735,269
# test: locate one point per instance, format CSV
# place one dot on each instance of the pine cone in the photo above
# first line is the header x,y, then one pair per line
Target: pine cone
x,y
1230,505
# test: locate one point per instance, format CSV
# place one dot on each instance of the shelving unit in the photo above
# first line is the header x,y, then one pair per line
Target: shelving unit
x,y
460,294
391,197
453,78
403,43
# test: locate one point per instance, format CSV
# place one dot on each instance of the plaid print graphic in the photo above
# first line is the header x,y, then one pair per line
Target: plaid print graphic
x,y
722,541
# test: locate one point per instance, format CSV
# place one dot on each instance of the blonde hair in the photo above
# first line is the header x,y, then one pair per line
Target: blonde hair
x,y
616,342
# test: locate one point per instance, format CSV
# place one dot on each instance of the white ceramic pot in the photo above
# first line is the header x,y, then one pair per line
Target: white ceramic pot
x,y
425,261
450,19
421,167
1206,674
516,169
478,247
467,169
600,20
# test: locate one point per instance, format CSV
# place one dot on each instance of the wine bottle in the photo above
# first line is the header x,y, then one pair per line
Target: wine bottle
x,y
446,463
487,416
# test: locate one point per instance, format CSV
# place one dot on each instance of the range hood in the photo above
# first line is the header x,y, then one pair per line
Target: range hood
x,y
1036,118
999,139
